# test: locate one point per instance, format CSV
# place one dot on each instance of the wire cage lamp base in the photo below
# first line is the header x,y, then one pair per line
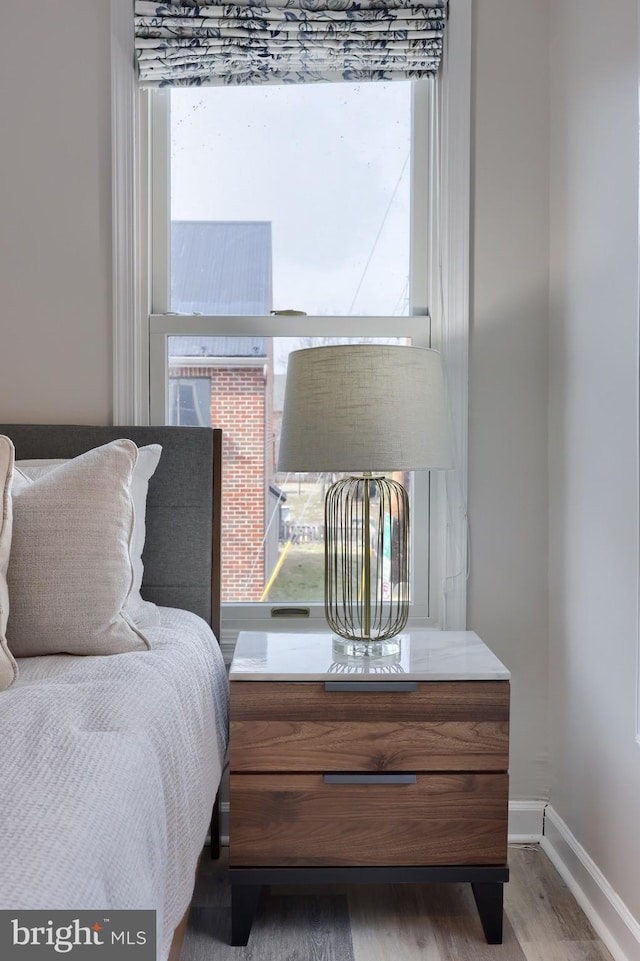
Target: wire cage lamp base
x,y
367,564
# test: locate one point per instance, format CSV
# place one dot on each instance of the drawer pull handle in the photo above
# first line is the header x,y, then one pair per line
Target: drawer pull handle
x,y
369,779
386,687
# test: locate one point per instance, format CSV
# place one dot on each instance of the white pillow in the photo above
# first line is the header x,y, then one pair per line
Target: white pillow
x,y
143,613
8,669
71,572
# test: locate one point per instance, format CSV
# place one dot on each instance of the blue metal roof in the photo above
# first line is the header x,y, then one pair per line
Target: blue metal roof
x,y
221,267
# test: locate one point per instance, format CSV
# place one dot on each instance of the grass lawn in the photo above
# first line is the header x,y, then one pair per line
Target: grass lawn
x,y
301,577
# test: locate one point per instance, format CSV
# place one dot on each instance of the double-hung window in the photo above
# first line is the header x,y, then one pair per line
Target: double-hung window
x,y
284,217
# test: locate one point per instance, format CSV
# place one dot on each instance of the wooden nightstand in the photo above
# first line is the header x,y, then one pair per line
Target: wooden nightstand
x,y
377,771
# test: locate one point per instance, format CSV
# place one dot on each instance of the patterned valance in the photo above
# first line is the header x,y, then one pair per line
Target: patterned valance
x,y
287,41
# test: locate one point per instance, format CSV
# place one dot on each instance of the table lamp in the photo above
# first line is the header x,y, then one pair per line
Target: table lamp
x,y
362,409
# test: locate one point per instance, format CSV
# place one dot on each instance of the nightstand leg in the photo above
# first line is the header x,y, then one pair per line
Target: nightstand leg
x,y
215,828
488,895
244,903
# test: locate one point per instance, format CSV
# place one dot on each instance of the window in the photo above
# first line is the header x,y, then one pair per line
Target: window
x,y
140,337
189,400
301,199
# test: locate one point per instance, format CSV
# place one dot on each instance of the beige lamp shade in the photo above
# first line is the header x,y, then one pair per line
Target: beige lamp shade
x,y
364,407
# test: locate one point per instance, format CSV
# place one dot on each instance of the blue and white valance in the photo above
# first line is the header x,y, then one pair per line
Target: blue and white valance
x,y
287,41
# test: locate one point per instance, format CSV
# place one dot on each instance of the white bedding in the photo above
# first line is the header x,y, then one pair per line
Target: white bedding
x,y
109,767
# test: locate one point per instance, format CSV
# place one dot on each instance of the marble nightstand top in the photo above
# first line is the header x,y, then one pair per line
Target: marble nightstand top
x,y
424,656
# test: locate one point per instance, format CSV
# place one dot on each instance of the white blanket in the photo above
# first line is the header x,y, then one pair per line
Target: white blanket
x,y
108,771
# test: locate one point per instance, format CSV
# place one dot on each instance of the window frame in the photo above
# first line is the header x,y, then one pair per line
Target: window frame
x,y
447,186
163,323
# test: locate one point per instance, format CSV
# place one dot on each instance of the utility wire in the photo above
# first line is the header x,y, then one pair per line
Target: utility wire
x,y
375,242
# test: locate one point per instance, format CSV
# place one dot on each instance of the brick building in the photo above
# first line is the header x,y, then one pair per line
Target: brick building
x,y
224,268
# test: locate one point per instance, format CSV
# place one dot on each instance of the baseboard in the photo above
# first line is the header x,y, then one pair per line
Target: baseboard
x,y
608,914
526,819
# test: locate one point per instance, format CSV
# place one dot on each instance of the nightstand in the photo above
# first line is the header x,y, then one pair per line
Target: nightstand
x,y
365,770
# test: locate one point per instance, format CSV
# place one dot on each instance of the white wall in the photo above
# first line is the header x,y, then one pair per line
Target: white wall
x,y
55,212
508,366
594,434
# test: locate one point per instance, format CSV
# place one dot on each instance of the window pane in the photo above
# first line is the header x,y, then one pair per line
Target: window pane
x,y
291,197
189,399
272,524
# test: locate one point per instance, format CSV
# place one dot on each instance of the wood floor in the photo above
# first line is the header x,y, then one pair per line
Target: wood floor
x,y
437,922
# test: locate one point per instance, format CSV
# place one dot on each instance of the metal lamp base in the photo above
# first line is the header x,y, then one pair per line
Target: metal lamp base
x,y
367,563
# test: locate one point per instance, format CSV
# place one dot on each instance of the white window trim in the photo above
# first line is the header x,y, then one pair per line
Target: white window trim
x,y
130,380
448,296
452,299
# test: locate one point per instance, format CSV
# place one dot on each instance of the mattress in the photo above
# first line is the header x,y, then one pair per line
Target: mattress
x,y
110,767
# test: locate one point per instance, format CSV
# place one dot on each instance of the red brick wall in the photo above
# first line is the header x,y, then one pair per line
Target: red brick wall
x,y
238,407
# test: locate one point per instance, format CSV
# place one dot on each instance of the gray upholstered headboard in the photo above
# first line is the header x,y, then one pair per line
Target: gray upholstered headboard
x,y
182,550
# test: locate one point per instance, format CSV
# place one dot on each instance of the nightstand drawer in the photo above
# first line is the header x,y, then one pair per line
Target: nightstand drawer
x,y
301,819
372,745
341,701
310,726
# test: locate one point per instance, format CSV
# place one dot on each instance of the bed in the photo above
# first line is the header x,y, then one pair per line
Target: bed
x,y
111,763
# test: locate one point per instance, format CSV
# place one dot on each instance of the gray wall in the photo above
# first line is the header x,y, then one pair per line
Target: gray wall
x,y
593,433
508,366
55,212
